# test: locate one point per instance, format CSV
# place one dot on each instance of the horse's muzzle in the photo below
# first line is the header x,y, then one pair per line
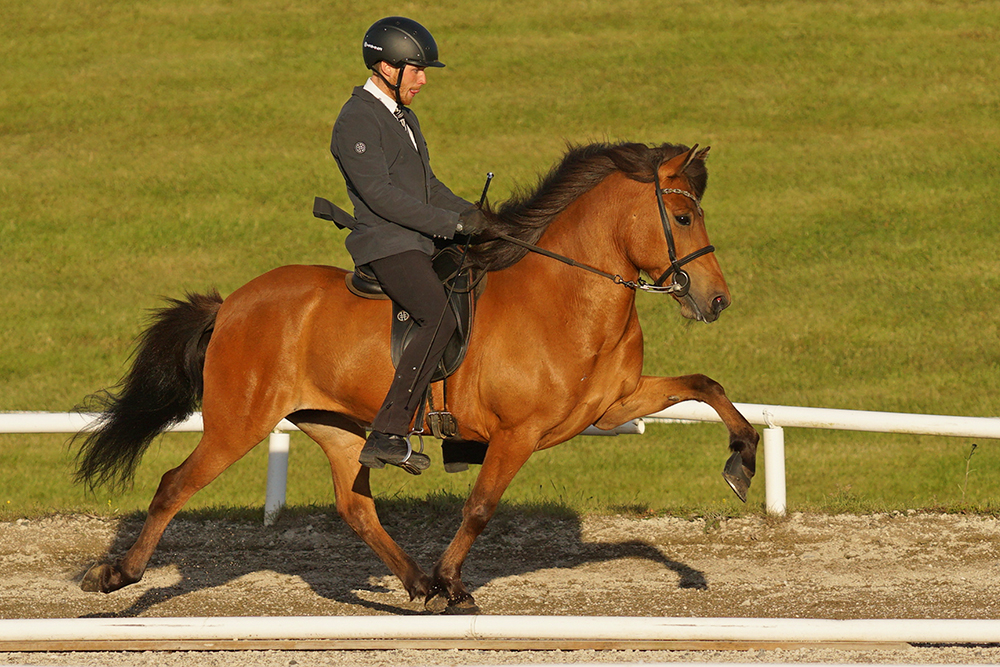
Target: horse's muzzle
x,y
719,304
699,310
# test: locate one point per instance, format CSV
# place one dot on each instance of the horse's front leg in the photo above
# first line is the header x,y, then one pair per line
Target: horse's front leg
x,y
653,394
504,458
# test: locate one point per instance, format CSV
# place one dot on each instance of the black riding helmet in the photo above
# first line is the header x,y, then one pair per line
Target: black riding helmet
x,y
400,42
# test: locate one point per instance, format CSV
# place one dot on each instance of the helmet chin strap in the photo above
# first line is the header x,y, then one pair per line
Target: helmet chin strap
x,y
399,82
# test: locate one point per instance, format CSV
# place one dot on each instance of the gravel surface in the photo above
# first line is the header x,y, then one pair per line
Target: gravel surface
x,y
912,565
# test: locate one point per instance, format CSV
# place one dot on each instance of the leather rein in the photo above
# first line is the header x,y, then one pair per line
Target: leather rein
x,y
681,282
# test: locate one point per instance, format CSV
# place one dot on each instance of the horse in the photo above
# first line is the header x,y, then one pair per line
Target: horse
x,y
553,349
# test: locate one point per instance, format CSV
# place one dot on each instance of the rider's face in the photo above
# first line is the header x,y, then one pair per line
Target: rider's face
x,y
413,79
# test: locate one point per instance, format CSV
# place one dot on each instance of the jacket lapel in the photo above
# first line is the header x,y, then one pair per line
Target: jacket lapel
x,y
380,108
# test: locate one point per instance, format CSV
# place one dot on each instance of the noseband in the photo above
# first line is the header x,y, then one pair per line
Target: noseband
x,y
681,280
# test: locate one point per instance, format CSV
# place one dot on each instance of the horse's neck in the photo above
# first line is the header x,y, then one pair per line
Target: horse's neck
x,y
588,231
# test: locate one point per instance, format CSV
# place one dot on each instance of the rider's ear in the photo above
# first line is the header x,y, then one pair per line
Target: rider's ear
x,y
387,70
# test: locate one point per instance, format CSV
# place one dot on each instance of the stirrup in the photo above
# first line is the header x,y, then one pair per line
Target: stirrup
x,y
409,445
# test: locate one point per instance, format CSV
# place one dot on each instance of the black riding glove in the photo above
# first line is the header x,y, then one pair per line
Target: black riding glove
x,y
472,222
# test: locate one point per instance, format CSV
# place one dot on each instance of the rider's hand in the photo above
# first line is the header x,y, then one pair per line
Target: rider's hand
x,y
472,222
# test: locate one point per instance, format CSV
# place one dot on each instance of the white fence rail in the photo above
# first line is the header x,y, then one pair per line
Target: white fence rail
x,y
773,417
776,417
278,443
409,631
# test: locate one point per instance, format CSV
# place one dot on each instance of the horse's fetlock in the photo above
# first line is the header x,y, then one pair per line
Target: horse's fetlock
x,y
420,588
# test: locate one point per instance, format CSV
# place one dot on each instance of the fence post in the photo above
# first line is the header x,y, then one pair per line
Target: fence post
x,y
277,476
774,469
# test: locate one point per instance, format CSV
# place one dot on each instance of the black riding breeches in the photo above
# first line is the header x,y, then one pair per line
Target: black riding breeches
x,y
409,280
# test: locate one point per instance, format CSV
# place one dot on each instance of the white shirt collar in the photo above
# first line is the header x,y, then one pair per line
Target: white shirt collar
x,y
372,88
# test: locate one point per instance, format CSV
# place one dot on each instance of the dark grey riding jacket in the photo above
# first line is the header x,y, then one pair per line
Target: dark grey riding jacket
x,y
398,202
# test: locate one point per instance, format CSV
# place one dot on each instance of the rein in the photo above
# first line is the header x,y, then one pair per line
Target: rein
x,y
617,279
681,282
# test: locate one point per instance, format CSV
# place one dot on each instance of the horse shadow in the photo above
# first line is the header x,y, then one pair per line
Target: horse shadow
x,y
315,545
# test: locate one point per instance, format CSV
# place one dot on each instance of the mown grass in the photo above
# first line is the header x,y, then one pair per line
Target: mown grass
x,y
171,145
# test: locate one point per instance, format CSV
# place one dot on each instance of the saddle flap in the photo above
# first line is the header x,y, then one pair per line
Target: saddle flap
x,y
462,285
462,304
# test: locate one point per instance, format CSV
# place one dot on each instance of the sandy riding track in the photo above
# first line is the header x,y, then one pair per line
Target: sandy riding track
x,y
807,566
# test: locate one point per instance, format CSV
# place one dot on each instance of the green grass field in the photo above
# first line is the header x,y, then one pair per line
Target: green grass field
x,y
153,148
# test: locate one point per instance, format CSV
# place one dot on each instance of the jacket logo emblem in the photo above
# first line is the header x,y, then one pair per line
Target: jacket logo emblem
x,y
360,147
402,316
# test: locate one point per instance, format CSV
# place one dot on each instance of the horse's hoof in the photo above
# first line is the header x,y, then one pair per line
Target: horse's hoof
x,y
436,603
463,606
737,476
96,579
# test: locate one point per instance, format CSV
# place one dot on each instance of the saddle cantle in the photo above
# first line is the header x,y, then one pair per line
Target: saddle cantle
x,y
463,288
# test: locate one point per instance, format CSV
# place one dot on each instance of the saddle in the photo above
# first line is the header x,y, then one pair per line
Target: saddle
x,y
462,286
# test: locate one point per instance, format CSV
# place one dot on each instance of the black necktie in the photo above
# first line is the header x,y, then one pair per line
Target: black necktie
x,y
398,113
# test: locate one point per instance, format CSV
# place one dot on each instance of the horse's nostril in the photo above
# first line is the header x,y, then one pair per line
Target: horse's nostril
x,y
719,304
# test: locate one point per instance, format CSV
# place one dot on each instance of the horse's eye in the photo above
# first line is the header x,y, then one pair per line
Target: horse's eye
x,y
684,220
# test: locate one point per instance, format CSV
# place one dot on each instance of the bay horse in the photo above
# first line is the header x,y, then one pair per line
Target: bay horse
x,y
553,350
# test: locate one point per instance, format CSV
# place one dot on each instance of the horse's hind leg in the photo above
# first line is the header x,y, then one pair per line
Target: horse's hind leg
x,y
210,458
341,440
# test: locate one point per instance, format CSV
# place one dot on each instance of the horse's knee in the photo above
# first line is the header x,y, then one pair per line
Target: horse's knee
x,y
478,514
705,385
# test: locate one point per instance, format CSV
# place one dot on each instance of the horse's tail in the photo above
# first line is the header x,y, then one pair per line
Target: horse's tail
x,y
163,387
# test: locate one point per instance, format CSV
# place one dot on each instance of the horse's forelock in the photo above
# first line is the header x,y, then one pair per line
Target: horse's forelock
x,y
696,172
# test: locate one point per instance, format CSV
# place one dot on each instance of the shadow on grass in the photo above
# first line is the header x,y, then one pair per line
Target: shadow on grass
x,y
211,548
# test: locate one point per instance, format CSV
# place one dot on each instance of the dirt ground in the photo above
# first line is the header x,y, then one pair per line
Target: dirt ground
x,y
912,565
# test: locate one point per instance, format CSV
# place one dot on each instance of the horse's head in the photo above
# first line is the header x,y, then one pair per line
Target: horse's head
x,y
669,240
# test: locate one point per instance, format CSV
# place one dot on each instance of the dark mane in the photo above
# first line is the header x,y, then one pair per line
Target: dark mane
x,y
527,214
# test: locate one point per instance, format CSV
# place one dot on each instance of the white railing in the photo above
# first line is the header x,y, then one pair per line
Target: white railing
x,y
497,631
773,417
776,417
278,443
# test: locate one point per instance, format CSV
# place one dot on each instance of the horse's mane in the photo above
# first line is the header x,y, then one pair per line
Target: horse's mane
x,y
528,213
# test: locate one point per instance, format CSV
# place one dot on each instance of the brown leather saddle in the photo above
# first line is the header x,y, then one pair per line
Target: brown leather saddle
x,y
462,286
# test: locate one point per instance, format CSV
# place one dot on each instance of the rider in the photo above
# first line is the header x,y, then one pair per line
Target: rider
x,y
401,208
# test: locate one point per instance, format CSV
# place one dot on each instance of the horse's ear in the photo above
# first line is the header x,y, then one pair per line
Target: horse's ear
x,y
678,164
703,153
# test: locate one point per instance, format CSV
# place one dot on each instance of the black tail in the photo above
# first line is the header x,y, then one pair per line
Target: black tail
x,y
163,387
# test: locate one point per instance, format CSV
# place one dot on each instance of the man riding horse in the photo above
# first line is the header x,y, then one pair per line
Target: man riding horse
x,y
402,210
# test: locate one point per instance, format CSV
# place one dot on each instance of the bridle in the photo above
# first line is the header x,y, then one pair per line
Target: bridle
x,y
681,282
